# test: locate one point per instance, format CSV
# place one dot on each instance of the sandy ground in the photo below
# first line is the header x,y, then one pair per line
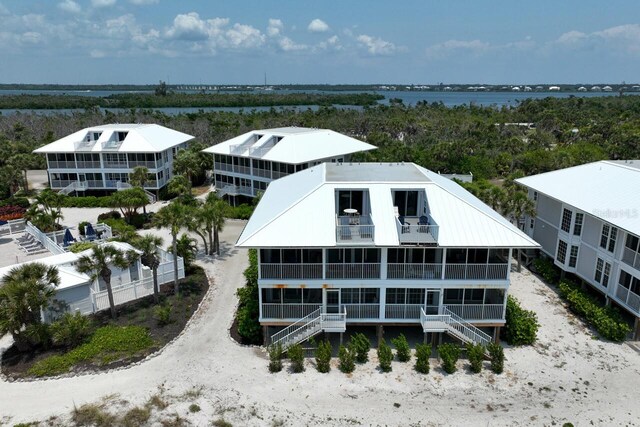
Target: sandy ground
x,y
568,376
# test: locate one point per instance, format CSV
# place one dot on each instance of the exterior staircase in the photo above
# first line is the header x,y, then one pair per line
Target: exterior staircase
x,y
454,325
309,326
76,186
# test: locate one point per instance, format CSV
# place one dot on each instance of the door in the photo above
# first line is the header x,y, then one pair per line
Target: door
x,y
332,301
432,302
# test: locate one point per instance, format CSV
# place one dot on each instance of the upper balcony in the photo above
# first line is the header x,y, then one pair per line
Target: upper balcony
x,y
417,230
355,229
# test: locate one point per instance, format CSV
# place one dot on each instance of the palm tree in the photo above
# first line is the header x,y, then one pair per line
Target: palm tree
x,y
186,163
98,266
181,186
198,222
149,244
24,294
139,178
172,216
187,248
220,210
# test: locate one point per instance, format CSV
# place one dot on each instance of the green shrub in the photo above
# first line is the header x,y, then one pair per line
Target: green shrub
x,y
385,356
403,351
606,320
162,314
242,211
194,408
423,353
81,227
475,354
71,330
296,356
81,246
449,353
361,346
521,325
23,202
496,353
346,357
109,215
249,307
275,358
87,202
323,356
545,268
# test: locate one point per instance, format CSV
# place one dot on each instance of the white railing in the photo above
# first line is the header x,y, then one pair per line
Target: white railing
x,y
629,298
403,311
477,311
259,151
123,293
62,164
75,186
116,165
334,321
88,164
414,271
287,311
454,325
13,226
291,271
476,271
228,167
278,174
631,258
362,311
165,269
353,271
300,327
244,170
417,233
265,173
234,190
146,164
44,240
355,229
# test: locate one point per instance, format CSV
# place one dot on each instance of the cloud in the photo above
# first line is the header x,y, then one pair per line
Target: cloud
x,y
624,38
190,27
244,36
452,46
274,28
332,42
376,46
288,45
103,3
143,2
318,26
571,37
69,6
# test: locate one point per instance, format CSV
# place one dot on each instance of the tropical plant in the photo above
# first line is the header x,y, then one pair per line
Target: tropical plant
x,y
475,354
496,353
129,201
25,293
173,217
162,314
296,356
361,346
186,248
403,351
423,352
323,356
98,264
46,212
180,186
275,358
148,245
449,353
139,177
385,356
71,329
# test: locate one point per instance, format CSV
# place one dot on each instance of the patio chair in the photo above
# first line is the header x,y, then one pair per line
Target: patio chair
x,y
423,222
405,227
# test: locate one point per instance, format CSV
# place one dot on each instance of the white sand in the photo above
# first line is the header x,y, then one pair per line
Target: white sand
x,y
566,376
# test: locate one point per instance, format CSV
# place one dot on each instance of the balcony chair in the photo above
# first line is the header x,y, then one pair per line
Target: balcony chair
x,y
423,222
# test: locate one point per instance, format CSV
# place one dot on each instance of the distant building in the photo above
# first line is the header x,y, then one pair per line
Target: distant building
x,y
582,89
588,222
554,88
102,157
246,164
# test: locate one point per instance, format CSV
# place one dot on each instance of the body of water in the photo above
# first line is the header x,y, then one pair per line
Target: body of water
x,y
449,99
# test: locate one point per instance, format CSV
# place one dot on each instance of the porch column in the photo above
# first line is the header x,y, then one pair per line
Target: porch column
x,y
636,333
265,335
496,335
383,263
324,263
380,333
441,302
383,303
444,263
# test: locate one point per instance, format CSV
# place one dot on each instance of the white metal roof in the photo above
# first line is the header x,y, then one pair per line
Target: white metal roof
x,y
290,145
140,138
299,210
609,190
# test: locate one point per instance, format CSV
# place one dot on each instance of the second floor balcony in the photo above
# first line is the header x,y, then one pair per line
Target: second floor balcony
x,y
356,229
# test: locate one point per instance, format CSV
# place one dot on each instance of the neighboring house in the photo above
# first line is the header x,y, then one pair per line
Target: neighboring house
x,y
379,244
588,221
77,292
102,157
246,164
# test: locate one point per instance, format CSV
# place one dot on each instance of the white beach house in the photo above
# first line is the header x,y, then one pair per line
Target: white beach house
x,y
588,221
379,244
246,164
102,157
78,292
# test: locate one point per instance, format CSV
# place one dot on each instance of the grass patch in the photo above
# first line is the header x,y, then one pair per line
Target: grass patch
x,y
93,415
107,344
136,417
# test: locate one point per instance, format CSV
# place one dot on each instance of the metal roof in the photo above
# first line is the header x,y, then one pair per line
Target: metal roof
x,y
299,210
291,145
609,190
140,138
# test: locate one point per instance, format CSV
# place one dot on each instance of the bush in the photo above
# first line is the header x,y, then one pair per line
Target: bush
x,y
9,212
23,202
71,330
475,354
275,358
81,246
162,314
496,352
545,268
403,351
606,320
521,325
249,307
323,357
385,356
87,202
423,352
346,357
361,346
449,353
296,356
81,227
242,211
109,215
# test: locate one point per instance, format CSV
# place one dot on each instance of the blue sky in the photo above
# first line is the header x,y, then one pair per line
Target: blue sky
x,y
327,41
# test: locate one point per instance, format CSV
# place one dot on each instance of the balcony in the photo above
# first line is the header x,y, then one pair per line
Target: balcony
x,y
116,165
54,164
146,164
353,271
291,271
420,231
362,311
222,167
628,298
235,190
88,165
476,271
288,311
477,311
403,311
354,230
414,271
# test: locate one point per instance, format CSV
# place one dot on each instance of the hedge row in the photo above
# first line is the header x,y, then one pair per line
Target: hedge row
x,y
606,320
87,202
521,325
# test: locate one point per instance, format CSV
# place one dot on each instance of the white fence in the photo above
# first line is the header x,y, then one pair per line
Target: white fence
x,y
45,240
123,293
13,226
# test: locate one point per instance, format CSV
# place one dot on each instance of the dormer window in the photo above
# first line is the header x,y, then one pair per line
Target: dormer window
x,y
120,136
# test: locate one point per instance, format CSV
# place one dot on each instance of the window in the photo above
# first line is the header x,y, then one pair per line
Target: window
x,y
133,272
359,296
629,282
631,254
415,296
573,256
603,271
353,256
535,196
532,222
561,255
407,202
577,225
395,295
608,237
453,296
599,270
565,225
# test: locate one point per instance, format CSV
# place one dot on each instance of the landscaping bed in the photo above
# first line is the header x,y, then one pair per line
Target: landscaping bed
x,y
136,333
